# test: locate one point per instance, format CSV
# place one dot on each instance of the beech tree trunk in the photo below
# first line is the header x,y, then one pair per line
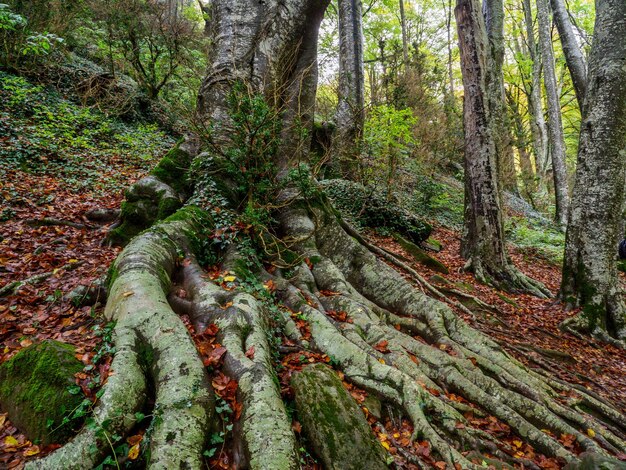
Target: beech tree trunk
x,y
557,140
483,242
493,11
538,125
573,55
350,108
405,40
271,47
596,218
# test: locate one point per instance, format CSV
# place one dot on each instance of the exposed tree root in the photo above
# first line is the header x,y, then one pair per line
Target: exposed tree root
x,y
509,279
153,345
12,287
426,353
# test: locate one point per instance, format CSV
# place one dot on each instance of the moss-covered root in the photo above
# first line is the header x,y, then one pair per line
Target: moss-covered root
x,y
155,196
266,435
152,341
508,279
124,395
184,400
333,423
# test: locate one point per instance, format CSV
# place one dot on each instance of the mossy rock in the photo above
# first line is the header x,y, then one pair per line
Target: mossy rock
x,y
333,423
34,390
172,169
420,255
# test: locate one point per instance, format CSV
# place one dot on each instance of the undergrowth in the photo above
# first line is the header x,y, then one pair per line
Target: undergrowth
x,y
43,132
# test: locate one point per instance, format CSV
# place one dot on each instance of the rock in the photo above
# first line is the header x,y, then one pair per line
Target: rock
x,y
34,390
333,422
374,406
592,461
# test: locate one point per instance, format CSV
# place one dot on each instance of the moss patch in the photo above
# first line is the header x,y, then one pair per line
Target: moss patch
x,y
34,390
173,168
420,255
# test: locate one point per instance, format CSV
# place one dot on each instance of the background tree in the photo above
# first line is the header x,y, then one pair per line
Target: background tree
x,y
596,222
555,124
349,117
483,237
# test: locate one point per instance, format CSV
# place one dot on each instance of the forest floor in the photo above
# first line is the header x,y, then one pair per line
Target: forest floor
x,y
526,326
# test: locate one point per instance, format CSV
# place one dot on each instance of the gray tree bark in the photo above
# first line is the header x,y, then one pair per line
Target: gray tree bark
x,y
557,141
573,55
493,11
538,125
405,40
254,44
350,108
483,242
595,222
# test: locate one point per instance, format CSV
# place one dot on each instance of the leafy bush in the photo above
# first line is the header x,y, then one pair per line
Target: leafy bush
x,y
368,207
21,46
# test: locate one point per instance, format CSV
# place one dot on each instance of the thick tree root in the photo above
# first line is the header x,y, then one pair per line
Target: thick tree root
x,y
463,360
408,349
152,344
266,436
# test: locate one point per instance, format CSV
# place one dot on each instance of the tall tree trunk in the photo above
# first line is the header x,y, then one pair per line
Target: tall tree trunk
x,y
483,242
405,40
254,45
557,141
448,9
493,11
521,143
596,218
538,125
350,108
573,55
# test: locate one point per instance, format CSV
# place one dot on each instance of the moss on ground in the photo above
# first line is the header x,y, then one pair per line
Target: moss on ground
x,y
34,390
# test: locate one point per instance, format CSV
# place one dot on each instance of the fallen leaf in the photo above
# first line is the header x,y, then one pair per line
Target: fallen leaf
x,y
133,452
33,450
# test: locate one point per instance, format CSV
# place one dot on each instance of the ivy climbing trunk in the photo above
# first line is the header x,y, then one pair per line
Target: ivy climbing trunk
x,y
596,219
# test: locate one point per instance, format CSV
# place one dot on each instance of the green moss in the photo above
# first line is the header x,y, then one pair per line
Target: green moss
x,y
34,390
173,168
420,255
167,206
333,423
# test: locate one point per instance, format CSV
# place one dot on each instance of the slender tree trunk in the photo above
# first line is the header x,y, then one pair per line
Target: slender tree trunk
x,y
448,8
573,55
405,40
538,125
557,141
483,242
596,218
349,116
493,11
521,143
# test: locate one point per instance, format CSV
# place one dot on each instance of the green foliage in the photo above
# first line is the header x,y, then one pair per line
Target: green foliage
x,y
254,140
536,239
152,40
368,207
45,131
388,138
20,46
